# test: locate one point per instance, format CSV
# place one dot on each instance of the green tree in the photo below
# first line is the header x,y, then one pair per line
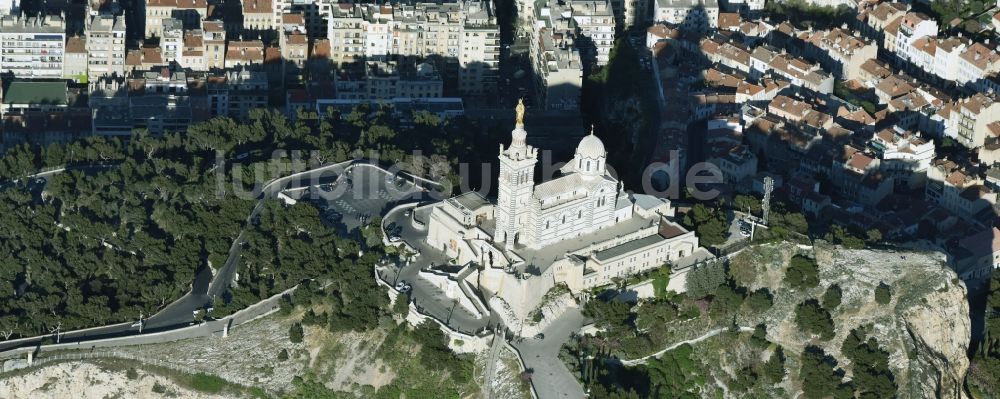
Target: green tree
x,y
773,370
759,301
709,224
613,314
402,305
744,202
812,319
802,273
821,376
870,365
725,301
703,279
675,375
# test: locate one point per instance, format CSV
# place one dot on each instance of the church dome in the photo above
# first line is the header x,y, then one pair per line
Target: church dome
x,y
591,147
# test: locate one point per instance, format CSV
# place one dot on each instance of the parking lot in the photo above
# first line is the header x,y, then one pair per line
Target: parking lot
x,y
359,195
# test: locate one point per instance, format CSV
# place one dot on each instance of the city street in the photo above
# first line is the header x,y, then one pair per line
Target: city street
x,y
550,376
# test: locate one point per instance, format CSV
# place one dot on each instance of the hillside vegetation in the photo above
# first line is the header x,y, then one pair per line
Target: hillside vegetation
x,y
787,320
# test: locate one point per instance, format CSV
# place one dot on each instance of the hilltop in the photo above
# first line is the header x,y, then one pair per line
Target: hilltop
x,y
845,322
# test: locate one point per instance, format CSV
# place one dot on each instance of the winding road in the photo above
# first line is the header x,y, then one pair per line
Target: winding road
x,y
206,285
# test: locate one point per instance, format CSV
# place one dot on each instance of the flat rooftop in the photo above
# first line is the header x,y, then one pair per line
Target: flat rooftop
x,y
544,257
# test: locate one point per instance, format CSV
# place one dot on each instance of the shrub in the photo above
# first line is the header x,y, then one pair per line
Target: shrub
x,y
759,337
159,388
295,333
132,374
283,355
832,297
883,294
285,305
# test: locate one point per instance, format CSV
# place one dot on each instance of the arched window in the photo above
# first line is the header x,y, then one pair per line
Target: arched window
x,y
579,214
588,166
564,219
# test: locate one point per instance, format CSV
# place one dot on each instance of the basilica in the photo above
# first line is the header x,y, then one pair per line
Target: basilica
x,y
581,229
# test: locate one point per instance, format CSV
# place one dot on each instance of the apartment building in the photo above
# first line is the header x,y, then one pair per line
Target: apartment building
x,y
558,72
294,21
878,19
246,52
107,100
479,56
105,46
840,52
294,53
193,51
977,255
189,12
75,60
695,15
462,37
236,93
259,18
913,26
32,47
958,190
172,39
380,80
904,155
314,15
346,33
214,39
143,59
969,119
595,25
975,64
857,177
159,101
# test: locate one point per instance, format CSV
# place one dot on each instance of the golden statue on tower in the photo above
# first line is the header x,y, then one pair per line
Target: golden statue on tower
x,y
519,112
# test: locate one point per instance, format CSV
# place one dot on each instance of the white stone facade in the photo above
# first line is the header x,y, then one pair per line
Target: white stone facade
x,y
579,229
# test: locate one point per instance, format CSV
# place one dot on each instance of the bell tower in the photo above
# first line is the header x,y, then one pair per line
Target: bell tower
x,y
517,182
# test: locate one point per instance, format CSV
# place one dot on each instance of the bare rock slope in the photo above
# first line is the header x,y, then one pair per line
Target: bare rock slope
x,y
925,327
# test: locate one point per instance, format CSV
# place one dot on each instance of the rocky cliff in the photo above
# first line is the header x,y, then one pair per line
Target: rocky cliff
x,y
925,327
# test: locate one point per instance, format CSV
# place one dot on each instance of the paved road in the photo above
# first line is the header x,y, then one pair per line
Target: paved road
x,y
550,376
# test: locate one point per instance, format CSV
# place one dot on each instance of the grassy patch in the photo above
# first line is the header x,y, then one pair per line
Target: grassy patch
x,y
207,383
